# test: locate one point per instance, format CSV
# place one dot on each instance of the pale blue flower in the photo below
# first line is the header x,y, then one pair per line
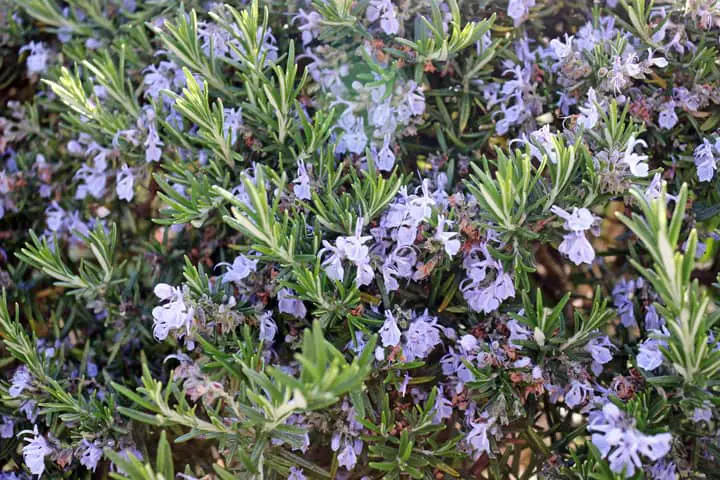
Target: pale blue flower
x,y
153,144
385,159
487,284
354,139
124,181
29,409
21,380
565,101
600,348
451,244
172,315
621,443
90,454
415,98
288,303
422,336
519,9
37,59
653,321
301,185
443,408
347,457
296,474
663,470
589,114
636,162
518,332
232,122
649,355
398,264
333,262
580,220
310,24
479,437
268,328
240,269
389,333
35,451
578,393
575,244
7,427
623,294
351,248
705,160
667,118
704,414
383,10
577,248
95,177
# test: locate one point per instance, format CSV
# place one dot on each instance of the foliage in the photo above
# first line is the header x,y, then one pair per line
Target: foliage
x,y
359,240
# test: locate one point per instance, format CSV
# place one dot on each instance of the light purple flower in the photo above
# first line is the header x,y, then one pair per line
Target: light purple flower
x,y
704,414
575,244
37,60
649,355
487,284
124,183
29,409
384,10
451,244
385,159
479,437
21,379
240,269
153,144
333,262
94,177
653,321
347,457
35,451
443,408
398,264
578,393
354,139
623,294
352,248
389,333
310,24
615,435
7,427
232,122
90,454
579,220
667,118
663,470
654,188
705,160
296,474
174,314
518,332
288,303
636,162
519,9
589,114
600,348
302,182
422,336
268,328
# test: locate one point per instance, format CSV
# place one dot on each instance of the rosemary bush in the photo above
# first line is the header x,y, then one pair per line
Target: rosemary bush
x,y
359,239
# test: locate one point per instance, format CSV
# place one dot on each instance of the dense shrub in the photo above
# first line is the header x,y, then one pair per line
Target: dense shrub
x,y
359,239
